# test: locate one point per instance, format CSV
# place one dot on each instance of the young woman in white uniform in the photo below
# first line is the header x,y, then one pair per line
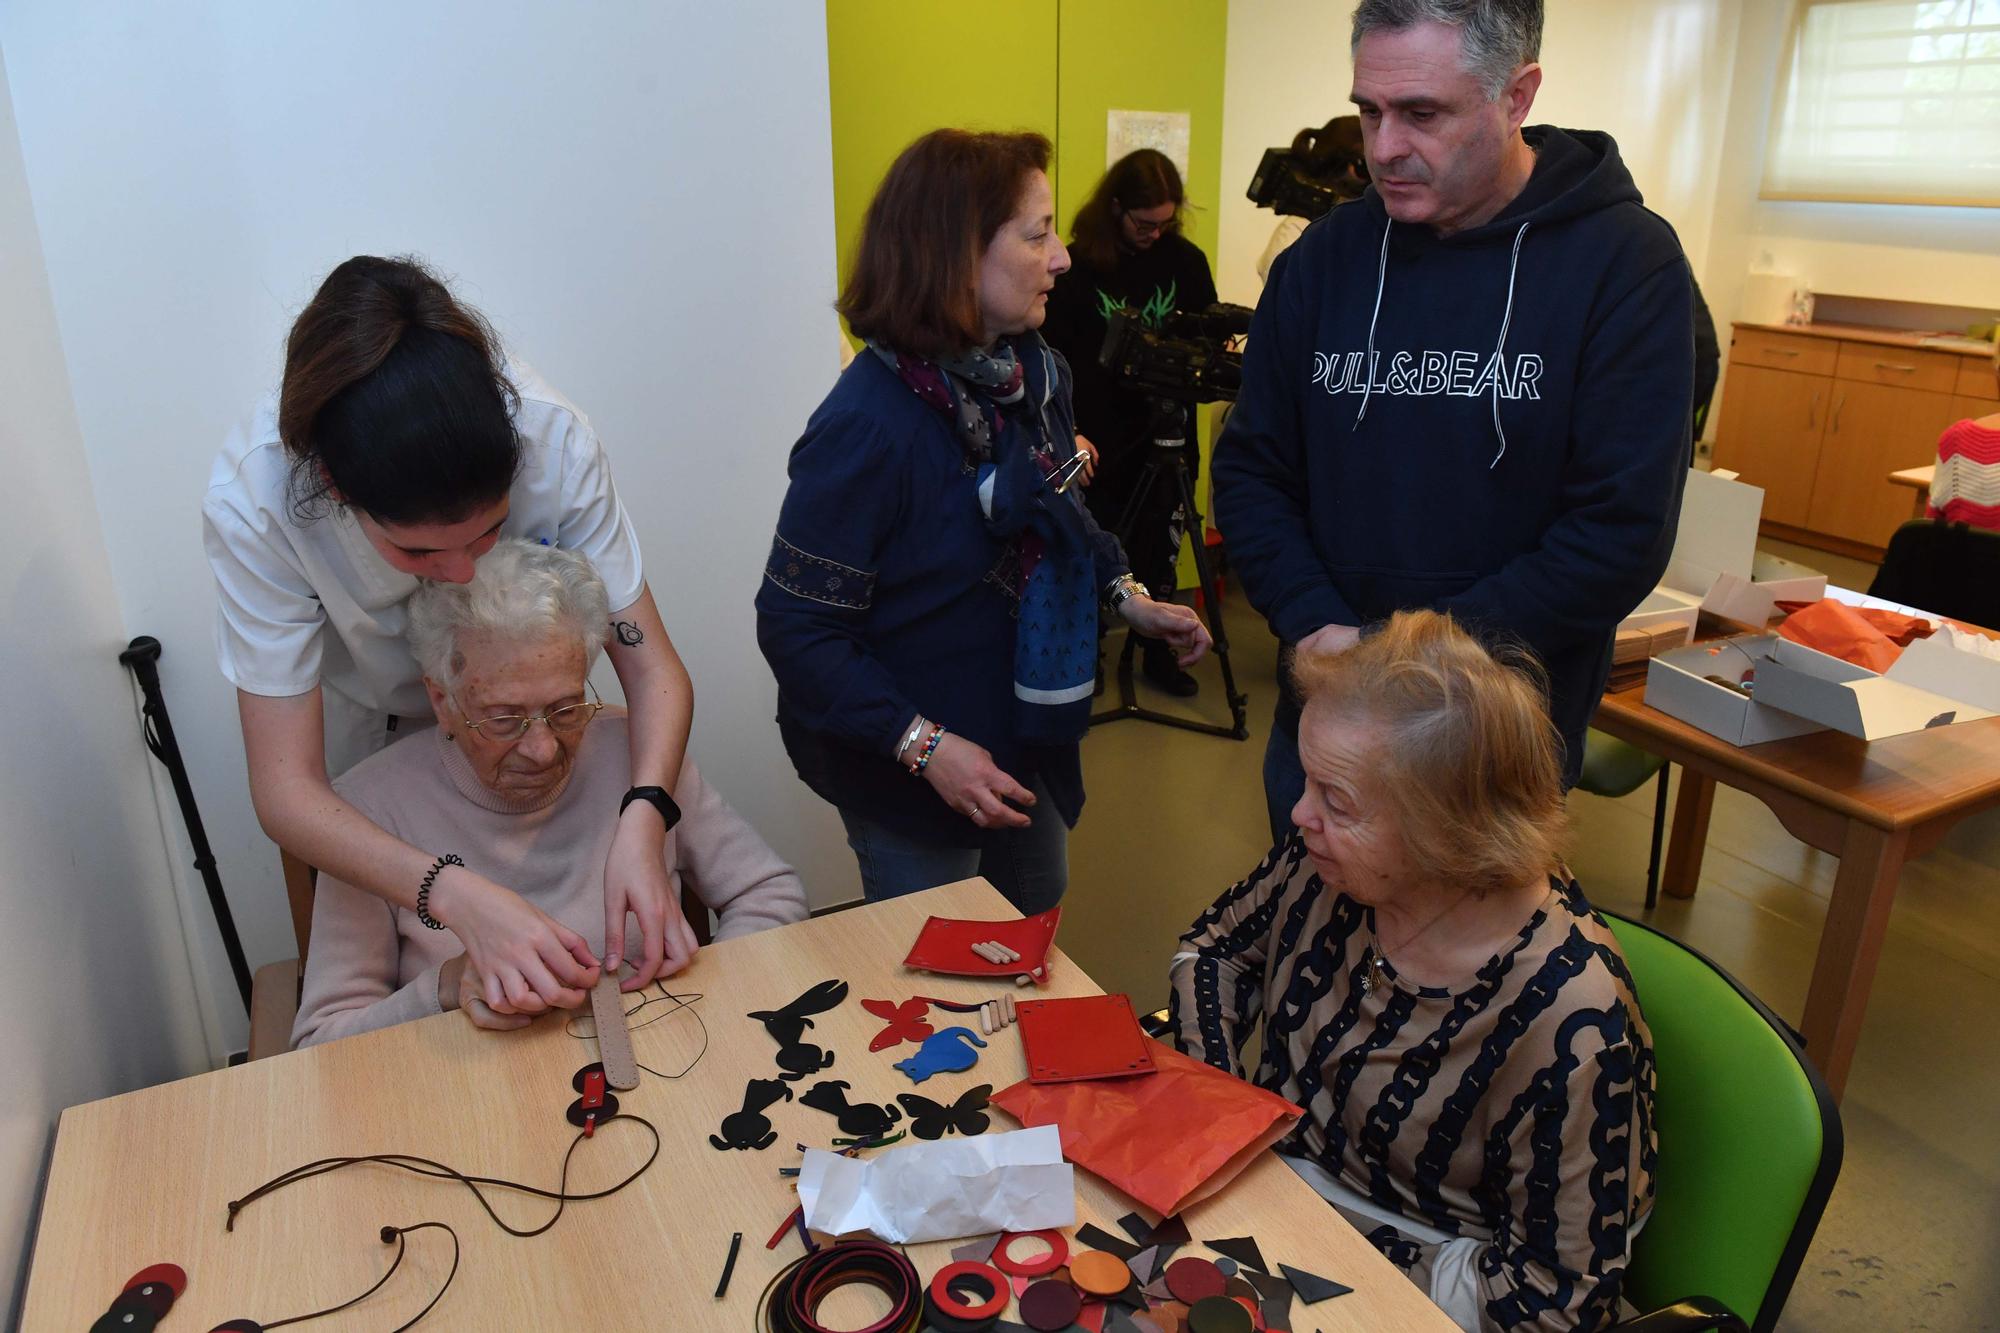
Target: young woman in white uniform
x,y
401,446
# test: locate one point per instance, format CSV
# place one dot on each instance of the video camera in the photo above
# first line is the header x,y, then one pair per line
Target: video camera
x,y
1324,168
1187,358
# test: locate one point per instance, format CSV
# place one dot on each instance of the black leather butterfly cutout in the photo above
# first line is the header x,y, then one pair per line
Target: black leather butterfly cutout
x,y
933,1120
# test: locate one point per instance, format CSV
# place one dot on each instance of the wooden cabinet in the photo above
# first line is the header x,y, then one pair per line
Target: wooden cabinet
x,y
1871,431
1771,434
1819,420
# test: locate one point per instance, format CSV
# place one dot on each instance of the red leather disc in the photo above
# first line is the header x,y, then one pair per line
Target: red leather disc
x,y
170,1275
1058,1254
1192,1279
949,1300
1050,1306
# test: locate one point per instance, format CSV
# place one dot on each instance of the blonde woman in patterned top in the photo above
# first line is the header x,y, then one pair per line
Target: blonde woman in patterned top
x,y
1431,986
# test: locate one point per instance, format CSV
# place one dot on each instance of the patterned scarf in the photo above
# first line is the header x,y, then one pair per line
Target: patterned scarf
x,y
1045,569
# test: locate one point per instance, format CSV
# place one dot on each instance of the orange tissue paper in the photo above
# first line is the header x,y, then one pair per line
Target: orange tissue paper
x,y
1168,1139
1866,636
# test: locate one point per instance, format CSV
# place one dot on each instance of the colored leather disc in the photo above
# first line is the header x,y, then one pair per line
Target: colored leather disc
x,y
1050,1306
126,1317
577,1115
946,1285
1193,1279
1100,1272
940,1322
1048,1263
156,1298
1218,1314
169,1275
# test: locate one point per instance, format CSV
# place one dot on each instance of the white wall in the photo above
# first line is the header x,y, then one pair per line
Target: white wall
x,y
1285,67
640,197
101,997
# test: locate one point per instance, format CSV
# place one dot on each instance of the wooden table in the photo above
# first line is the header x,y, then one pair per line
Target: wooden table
x,y
1919,480
1874,805
145,1177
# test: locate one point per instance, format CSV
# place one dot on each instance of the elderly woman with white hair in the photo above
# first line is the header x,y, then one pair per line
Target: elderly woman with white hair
x,y
1434,990
514,780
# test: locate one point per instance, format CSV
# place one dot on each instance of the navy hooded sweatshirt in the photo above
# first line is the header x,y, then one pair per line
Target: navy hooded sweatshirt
x,y
1493,424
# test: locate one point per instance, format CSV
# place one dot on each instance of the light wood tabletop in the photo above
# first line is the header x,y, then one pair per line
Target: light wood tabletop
x,y
1873,804
1918,479
146,1177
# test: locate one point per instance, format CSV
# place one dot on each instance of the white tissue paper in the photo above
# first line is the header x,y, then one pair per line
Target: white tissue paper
x,y
940,1191
1977,644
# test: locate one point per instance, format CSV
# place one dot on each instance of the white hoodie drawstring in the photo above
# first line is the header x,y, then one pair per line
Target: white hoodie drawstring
x,y
1368,360
1500,349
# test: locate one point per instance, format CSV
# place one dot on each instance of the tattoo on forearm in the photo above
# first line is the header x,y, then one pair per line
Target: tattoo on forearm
x,y
628,633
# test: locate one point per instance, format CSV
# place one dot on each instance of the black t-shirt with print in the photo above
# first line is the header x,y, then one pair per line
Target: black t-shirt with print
x,y
1170,275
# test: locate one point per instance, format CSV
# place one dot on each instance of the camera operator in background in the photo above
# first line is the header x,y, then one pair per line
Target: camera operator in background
x,y
1324,168
1126,250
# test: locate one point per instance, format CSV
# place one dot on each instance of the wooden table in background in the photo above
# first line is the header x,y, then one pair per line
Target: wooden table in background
x,y
1874,805
145,1177
1918,479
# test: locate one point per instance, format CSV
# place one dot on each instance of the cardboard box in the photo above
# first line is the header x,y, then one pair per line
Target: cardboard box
x,y
1716,566
1665,606
1932,684
1676,683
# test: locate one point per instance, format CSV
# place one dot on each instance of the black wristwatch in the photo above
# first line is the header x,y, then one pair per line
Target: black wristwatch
x,y
659,800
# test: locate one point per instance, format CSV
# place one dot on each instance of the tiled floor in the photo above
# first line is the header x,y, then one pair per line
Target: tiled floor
x,y
1175,817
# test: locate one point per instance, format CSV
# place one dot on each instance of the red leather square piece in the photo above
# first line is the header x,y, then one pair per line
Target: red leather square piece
x,y
1090,1036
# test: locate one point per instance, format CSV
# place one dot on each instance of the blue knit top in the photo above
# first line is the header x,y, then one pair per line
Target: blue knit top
x,y
886,596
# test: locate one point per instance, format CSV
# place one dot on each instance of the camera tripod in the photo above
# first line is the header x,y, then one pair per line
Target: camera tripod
x,y
1166,465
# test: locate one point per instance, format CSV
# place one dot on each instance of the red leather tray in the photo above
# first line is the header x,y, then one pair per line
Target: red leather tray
x,y
945,945
1090,1036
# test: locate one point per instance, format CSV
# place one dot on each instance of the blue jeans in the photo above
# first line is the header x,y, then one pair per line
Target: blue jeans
x,y
1030,866
1284,775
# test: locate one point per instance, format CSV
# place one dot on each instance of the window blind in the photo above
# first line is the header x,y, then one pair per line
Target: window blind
x,y
1889,101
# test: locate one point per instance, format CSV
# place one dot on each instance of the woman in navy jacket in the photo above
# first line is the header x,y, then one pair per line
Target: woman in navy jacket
x,y
930,605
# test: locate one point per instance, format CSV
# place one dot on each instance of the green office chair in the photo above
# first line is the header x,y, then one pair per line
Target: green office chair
x,y
1750,1144
1614,768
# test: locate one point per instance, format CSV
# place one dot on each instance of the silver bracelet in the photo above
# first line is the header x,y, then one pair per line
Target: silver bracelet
x,y
1122,590
910,739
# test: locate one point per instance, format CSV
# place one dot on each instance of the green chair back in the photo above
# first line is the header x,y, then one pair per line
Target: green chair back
x,y
1749,1137
1612,767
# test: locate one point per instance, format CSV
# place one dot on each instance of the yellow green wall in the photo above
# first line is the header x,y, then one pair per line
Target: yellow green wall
x,y
898,68
1162,55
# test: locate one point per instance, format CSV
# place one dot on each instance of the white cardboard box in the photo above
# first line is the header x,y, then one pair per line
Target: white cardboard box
x,y
1716,565
1932,684
1665,606
1676,683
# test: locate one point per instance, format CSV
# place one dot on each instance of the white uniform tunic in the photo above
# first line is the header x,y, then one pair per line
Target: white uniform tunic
x,y
312,603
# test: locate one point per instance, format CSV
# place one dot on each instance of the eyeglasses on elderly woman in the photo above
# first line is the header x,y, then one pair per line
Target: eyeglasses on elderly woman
x,y
507,728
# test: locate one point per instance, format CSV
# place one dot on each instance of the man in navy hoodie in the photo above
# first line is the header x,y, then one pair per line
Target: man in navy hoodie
x,y
1469,390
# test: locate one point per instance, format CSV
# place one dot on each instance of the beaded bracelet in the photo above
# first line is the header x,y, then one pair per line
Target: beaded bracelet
x,y
424,892
923,759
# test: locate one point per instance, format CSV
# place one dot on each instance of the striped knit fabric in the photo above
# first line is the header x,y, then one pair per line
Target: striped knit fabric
x,y
1514,1116
1966,485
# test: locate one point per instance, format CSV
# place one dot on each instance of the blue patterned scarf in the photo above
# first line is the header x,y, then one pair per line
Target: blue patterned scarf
x,y
1046,570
